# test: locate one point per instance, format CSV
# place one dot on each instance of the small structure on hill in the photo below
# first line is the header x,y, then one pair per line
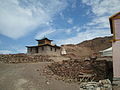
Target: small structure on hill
x,y
63,51
44,47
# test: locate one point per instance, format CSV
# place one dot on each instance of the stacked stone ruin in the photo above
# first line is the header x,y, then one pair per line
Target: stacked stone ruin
x,y
101,85
23,58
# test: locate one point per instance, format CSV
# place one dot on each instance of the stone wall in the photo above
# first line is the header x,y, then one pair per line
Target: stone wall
x,y
101,85
45,50
116,83
24,58
48,50
32,50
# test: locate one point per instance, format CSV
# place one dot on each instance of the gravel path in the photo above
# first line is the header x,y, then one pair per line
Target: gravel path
x,y
30,76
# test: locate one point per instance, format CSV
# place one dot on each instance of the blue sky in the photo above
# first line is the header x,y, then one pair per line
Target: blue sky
x,y
64,21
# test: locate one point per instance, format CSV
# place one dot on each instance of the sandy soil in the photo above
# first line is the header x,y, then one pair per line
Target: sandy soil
x,y
30,76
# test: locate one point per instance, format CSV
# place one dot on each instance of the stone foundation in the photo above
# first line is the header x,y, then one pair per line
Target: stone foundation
x,y
101,85
116,83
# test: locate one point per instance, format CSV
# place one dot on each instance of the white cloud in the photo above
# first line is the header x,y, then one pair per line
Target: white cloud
x,y
77,28
55,31
73,29
62,15
70,20
5,52
103,9
68,31
87,35
19,17
74,3
45,33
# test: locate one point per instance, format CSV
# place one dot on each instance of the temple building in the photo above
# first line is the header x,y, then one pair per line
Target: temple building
x,y
44,47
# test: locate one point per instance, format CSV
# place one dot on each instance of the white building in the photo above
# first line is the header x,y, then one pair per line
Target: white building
x,y
106,52
115,30
63,51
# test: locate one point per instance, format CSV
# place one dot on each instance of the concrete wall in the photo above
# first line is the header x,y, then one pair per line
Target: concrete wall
x,y
116,58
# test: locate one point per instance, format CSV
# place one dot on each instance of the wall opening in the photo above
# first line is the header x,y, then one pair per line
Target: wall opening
x,y
36,50
55,49
30,49
42,48
51,48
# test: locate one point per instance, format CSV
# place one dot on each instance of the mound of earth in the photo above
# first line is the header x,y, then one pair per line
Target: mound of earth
x,y
78,70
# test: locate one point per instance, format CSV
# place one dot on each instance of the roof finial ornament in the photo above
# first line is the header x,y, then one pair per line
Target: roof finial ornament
x,y
44,37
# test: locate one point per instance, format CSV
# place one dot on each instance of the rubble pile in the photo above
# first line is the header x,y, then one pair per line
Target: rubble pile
x,y
80,70
23,58
101,85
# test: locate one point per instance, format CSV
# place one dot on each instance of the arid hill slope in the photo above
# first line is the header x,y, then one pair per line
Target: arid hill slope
x,y
97,44
88,47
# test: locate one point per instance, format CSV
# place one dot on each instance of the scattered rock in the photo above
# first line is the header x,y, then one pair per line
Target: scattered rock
x,y
79,70
101,85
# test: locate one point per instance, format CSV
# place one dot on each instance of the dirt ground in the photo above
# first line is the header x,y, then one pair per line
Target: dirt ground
x,y
30,76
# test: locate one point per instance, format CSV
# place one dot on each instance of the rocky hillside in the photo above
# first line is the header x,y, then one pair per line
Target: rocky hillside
x,y
88,47
97,44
